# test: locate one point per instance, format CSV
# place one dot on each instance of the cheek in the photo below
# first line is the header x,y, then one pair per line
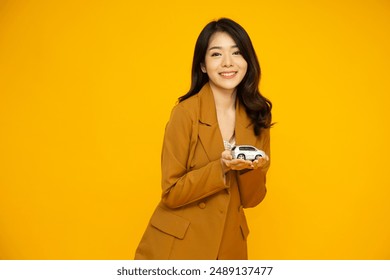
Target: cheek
x,y
211,65
244,65
244,69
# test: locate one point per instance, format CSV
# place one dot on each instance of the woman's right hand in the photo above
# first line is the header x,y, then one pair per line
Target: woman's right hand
x,y
228,163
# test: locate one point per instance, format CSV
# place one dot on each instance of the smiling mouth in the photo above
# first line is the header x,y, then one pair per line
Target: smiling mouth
x,y
228,74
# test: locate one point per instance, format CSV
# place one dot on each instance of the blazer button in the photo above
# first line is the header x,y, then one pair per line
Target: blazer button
x,y
202,205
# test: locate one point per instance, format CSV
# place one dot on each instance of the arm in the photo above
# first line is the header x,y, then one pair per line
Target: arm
x,y
252,183
181,186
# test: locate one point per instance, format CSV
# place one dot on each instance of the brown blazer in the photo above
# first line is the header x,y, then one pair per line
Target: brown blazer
x,y
199,204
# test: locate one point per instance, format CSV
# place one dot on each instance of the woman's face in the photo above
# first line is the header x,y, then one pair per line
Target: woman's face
x,y
224,63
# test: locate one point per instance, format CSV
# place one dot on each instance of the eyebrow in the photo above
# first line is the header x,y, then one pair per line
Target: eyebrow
x,y
219,48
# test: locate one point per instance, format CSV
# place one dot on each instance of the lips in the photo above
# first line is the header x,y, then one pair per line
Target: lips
x,y
229,74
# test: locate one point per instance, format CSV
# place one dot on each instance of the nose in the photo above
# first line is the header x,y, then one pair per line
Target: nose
x,y
227,61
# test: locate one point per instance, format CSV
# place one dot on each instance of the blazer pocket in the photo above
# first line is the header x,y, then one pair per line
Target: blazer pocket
x,y
243,223
169,223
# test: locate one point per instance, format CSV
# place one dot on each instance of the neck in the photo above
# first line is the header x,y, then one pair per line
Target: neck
x,y
224,100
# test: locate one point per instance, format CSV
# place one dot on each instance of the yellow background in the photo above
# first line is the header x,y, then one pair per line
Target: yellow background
x,y
86,88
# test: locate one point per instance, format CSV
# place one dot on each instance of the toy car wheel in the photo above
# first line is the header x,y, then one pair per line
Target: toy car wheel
x,y
241,156
257,157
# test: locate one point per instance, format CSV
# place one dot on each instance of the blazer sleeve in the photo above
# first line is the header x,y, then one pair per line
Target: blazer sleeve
x,y
181,186
252,184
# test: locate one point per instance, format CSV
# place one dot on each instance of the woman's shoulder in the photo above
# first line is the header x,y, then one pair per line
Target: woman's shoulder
x,y
190,106
190,102
193,103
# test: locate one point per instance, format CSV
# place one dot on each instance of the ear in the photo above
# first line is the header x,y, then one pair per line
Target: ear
x,y
203,67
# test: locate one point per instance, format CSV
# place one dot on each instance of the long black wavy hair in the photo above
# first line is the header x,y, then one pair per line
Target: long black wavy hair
x,y
257,106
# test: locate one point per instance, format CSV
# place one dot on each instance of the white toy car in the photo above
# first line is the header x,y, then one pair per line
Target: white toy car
x,y
247,152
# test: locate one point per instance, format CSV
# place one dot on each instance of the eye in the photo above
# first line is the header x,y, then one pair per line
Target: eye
x,y
215,54
237,53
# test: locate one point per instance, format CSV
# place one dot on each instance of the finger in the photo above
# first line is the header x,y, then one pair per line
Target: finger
x,y
241,165
226,162
262,162
238,161
226,155
255,164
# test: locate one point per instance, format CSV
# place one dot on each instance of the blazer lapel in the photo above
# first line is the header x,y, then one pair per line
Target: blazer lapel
x,y
209,133
244,128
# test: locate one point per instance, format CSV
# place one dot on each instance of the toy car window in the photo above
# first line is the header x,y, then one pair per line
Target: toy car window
x,y
245,148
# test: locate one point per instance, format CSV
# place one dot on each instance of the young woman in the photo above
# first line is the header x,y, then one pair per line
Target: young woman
x,y
204,190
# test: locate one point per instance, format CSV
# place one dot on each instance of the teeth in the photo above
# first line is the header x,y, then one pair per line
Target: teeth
x,y
228,74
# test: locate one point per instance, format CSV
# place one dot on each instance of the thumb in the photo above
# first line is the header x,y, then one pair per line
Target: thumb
x,y
226,155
